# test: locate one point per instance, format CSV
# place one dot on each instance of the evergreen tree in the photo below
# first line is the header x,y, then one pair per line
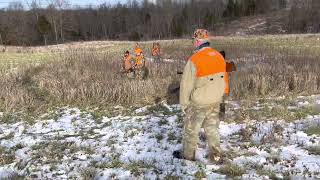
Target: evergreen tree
x,y
44,27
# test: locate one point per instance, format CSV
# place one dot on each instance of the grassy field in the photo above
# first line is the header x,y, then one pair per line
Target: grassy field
x,y
292,44
88,72
66,112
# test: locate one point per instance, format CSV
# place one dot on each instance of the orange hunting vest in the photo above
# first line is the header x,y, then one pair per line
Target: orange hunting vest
x,y
155,51
139,60
209,61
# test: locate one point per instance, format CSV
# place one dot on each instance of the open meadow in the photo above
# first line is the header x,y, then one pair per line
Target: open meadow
x,y
66,111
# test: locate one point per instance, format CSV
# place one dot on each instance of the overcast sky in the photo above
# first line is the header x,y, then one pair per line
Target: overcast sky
x,y
4,3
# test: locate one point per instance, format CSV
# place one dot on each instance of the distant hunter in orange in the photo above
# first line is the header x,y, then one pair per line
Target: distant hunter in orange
x,y
127,62
155,52
139,62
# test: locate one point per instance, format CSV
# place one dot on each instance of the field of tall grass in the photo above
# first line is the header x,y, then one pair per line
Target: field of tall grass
x,y
90,76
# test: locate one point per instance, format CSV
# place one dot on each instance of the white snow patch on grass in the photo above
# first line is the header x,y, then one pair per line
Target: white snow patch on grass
x,y
229,129
140,147
5,173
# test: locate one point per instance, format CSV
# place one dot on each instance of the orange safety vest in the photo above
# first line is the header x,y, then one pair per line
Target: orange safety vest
x,y
139,60
209,61
155,51
138,51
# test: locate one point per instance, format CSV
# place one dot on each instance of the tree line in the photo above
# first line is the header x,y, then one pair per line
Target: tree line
x,y
59,23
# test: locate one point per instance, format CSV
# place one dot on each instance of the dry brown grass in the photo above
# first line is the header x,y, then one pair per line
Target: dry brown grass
x,y
82,79
275,74
269,66
89,78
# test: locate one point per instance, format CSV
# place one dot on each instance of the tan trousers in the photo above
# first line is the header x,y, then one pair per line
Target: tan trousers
x,y
195,118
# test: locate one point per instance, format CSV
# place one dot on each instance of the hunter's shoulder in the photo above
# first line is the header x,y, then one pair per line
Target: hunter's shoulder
x,y
208,51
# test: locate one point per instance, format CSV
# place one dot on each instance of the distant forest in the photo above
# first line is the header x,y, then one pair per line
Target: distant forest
x,y
58,23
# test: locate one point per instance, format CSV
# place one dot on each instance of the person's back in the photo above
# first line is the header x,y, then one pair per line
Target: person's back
x,y
155,50
202,87
139,57
209,84
127,64
139,63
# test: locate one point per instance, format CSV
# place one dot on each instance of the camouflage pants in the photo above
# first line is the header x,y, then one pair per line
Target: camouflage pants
x,y
195,119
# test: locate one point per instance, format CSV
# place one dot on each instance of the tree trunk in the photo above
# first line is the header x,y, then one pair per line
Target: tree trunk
x,y
61,28
1,39
105,31
55,30
45,39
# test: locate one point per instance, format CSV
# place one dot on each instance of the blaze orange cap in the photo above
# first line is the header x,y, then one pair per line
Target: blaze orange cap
x,y
138,50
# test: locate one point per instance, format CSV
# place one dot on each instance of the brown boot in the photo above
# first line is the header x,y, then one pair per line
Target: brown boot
x,y
216,156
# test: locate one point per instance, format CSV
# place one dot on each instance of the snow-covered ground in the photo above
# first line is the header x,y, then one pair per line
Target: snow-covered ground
x,y
138,144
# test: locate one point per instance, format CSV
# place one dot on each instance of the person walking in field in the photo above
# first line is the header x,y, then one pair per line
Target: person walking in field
x,y
139,63
203,85
136,46
128,64
155,52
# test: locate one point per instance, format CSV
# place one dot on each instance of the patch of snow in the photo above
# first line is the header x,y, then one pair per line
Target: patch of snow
x,y
292,107
167,106
244,160
253,176
22,153
235,104
262,130
6,172
304,103
111,173
212,175
176,107
258,151
288,152
300,138
304,161
141,110
172,119
148,142
229,129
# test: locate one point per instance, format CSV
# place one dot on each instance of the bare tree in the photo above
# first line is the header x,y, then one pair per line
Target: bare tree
x,y
34,7
134,20
53,18
1,42
60,5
